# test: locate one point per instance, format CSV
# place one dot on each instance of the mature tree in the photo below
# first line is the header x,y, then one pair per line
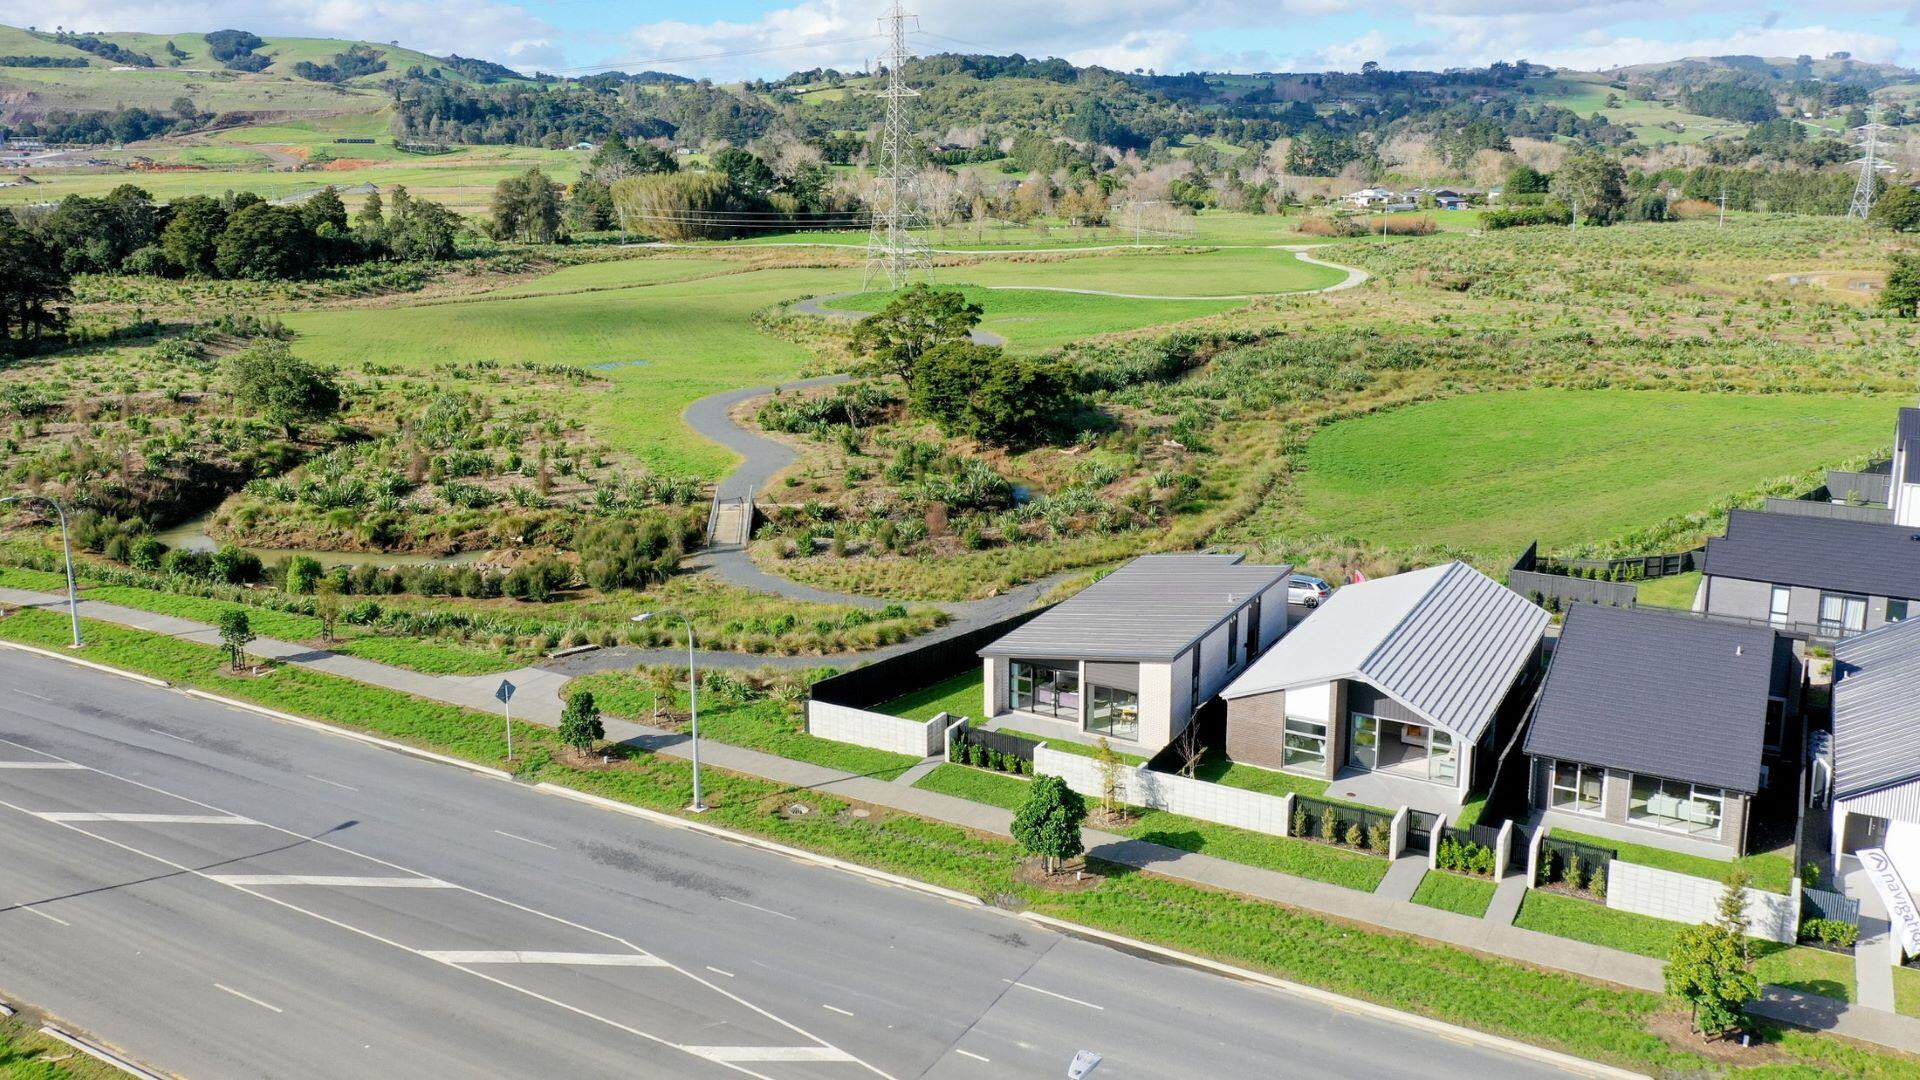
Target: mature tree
x,y
580,725
418,229
615,160
263,241
527,207
236,633
192,236
629,553
983,393
590,206
371,221
1525,180
324,208
1711,966
745,173
267,377
33,287
895,338
1048,822
1902,294
1898,208
1593,184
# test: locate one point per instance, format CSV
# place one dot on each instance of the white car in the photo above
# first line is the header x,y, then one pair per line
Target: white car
x,y
1307,590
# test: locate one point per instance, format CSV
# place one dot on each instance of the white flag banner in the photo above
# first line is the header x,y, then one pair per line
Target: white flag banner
x,y
1901,911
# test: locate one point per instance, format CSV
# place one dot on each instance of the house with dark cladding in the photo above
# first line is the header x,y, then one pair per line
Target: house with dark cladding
x,y
1820,577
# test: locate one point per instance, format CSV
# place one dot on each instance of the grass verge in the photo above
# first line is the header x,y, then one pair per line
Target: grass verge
x,y
25,1054
961,695
430,657
1454,892
1906,991
1769,871
978,785
1301,858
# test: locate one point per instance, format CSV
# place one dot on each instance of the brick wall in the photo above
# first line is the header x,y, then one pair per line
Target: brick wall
x,y
1256,729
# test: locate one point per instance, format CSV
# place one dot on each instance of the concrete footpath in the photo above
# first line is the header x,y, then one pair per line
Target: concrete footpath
x,y
1485,935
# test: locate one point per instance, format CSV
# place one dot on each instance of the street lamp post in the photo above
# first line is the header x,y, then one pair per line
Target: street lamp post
x,y
66,547
693,698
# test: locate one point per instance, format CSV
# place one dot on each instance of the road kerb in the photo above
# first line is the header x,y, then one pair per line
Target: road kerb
x,y
1568,1063
78,662
802,854
349,733
99,1053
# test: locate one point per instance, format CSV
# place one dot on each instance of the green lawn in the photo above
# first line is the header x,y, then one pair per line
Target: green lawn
x,y
286,626
1219,769
1034,321
1906,991
431,657
1067,747
1672,591
1814,971
979,785
1566,467
1773,873
1301,858
1454,892
962,695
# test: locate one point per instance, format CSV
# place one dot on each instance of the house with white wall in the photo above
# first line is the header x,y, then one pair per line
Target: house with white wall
x,y
1903,489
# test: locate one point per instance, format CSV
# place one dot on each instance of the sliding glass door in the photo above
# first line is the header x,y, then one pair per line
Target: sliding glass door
x,y
1047,689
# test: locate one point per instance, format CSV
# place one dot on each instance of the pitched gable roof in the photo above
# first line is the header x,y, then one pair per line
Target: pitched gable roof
x,y
1876,709
1869,558
1446,642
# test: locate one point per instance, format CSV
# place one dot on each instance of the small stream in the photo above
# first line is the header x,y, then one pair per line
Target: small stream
x,y
192,536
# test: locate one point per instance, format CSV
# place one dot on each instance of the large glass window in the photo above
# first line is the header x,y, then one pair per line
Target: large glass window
x,y
1306,746
1841,615
1366,740
1577,787
1675,805
1046,689
1443,760
1896,611
1778,605
1113,712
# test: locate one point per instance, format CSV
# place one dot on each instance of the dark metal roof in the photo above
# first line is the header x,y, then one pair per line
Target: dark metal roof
x,y
1876,709
1153,608
1818,553
1659,693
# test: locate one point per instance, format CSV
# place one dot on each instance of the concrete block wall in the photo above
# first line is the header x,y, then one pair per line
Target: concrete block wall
x,y
843,723
1663,894
1171,793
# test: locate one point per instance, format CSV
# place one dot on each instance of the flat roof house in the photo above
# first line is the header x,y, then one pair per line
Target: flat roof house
x,y
1653,725
1812,576
1409,676
1876,735
1133,656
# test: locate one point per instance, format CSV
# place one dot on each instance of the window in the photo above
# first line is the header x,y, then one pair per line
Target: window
x,y
1777,606
1841,615
1197,646
1046,689
1253,629
1306,746
1896,611
1776,729
1443,761
1577,787
1233,642
1113,712
1366,740
1675,805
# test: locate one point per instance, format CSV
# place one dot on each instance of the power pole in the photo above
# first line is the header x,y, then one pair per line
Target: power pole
x,y
1867,139
893,250
1723,204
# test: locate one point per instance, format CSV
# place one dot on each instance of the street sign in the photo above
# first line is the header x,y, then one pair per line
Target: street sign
x,y
1082,1064
505,693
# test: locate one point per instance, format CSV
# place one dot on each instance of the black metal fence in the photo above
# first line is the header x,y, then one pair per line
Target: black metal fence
x,y
1552,590
1484,835
1821,904
1318,810
1000,742
1557,855
1420,826
884,680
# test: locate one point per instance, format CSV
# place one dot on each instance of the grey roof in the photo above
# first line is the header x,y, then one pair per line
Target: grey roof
x,y
1862,557
1661,693
1446,642
1153,608
1876,709
1907,434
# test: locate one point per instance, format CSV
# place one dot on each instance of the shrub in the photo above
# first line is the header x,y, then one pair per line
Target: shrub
x,y
1299,821
580,725
630,553
1329,826
536,580
1380,836
1354,836
1598,886
1835,932
303,574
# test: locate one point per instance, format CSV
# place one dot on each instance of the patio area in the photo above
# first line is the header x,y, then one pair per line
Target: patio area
x,y
1388,790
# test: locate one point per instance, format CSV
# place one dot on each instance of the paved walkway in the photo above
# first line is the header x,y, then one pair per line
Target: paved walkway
x,y
539,702
1507,896
1873,974
1403,877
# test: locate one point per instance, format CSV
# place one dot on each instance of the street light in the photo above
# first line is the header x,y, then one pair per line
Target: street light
x,y
693,698
66,545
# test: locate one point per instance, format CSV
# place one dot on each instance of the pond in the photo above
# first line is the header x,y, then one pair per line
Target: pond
x,y
193,536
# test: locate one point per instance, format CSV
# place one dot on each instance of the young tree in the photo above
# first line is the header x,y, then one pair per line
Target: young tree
x,y
917,320
661,680
236,632
1902,294
1108,763
1711,967
326,607
580,725
286,389
1048,823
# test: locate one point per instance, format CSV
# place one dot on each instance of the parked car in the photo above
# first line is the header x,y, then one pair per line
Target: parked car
x,y
1307,590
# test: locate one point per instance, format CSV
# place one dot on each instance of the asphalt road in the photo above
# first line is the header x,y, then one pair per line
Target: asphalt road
x,y
220,895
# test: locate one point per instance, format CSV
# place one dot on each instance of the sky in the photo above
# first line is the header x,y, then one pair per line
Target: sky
x,y
733,39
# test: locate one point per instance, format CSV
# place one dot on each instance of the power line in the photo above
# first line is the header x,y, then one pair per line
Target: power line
x,y
893,250
1868,141
612,65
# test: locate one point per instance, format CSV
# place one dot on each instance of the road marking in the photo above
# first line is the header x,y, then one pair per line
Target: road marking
x,y
717,971
836,1008
769,1053
522,956
524,840
337,881
151,819
39,765
248,997
1051,994
44,915
31,694
971,1054
170,735
757,907
335,783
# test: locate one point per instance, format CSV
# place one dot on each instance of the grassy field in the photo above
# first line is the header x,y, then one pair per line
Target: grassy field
x,y
1487,473
1455,892
1034,321
1767,871
1672,591
962,695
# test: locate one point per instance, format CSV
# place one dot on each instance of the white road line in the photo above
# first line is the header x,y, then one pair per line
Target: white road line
x,y
44,915
247,997
769,1053
170,735
757,907
524,956
717,971
472,971
152,819
335,783
1051,994
40,765
31,694
332,881
971,1054
836,1008
524,840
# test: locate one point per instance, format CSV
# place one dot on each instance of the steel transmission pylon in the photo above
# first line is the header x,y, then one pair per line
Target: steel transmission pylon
x,y
1867,139
894,250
